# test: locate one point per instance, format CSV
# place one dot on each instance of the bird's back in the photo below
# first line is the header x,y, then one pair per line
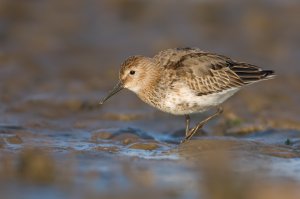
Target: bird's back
x,y
213,71
194,80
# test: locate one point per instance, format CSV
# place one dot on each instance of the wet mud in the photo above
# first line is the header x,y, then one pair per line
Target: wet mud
x,y
56,141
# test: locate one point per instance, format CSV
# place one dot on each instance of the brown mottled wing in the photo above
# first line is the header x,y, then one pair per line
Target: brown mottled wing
x,y
207,73
169,57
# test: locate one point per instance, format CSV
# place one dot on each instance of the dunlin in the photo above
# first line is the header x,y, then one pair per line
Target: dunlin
x,y
183,81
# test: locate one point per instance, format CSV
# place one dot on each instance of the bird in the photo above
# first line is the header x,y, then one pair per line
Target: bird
x,y
185,81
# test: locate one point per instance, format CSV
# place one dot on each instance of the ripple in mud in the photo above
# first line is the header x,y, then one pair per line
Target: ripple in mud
x,y
145,146
132,142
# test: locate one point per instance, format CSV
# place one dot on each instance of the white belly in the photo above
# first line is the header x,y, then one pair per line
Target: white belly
x,y
186,102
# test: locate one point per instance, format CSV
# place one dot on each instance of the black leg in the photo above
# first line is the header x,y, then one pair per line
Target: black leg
x,y
187,125
201,124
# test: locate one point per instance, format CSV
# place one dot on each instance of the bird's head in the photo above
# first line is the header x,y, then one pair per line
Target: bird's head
x,y
135,74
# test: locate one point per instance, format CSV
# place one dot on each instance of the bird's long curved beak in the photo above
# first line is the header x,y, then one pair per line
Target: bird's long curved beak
x,y
114,91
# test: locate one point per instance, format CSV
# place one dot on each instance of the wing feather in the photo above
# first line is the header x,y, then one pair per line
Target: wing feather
x,y
207,73
210,73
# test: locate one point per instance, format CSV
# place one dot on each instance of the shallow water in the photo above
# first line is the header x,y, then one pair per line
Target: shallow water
x,y
57,60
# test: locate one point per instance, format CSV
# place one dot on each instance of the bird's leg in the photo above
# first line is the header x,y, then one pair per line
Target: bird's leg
x,y
201,124
187,125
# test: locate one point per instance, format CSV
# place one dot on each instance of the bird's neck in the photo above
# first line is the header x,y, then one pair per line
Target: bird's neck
x,y
148,91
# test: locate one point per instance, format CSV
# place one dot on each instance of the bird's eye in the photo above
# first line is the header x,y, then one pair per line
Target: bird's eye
x,y
132,72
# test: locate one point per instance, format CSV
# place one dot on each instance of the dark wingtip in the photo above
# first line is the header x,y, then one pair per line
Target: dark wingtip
x,y
268,74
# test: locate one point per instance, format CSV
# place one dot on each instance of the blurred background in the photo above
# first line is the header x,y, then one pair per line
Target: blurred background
x,y
58,58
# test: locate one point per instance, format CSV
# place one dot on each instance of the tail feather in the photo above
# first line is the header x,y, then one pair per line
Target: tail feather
x,y
250,73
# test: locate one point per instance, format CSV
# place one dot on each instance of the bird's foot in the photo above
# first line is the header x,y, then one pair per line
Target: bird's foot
x,y
190,134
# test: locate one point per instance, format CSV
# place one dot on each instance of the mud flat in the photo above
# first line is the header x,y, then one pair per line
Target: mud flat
x,y
57,63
